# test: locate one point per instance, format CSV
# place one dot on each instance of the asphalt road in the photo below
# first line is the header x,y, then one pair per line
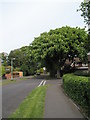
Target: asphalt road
x,y
13,94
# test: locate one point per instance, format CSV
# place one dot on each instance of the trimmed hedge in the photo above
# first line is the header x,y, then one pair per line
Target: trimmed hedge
x,y
78,88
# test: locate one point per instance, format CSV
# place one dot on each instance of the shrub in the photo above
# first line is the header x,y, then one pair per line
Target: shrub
x,y
17,69
2,70
41,70
78,88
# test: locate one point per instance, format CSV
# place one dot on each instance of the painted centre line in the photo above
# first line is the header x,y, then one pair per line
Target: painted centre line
x,y
42,83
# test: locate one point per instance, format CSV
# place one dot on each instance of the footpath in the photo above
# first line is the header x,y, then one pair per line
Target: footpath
x,y
58,105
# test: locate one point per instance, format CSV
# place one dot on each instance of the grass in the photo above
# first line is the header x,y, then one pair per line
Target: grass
x,y
33,105
5,82
9,81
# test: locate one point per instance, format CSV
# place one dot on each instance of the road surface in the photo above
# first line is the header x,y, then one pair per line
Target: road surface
x,y
13,94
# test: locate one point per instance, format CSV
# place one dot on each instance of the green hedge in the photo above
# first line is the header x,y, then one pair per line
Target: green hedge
x,y
78,88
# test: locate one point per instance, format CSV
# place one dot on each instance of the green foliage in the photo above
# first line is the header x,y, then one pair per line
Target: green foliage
x,y
17,69
53,48
78,88
2,70
24,60
4,59
41,70
25,70
85,9
19,55
50,50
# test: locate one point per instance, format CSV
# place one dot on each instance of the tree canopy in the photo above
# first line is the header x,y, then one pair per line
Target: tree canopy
x,y
23,60
53,48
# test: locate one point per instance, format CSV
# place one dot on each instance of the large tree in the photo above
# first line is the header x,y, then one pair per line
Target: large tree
x,y
53,48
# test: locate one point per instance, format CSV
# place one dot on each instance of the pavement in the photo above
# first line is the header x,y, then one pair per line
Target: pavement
x,y
58,105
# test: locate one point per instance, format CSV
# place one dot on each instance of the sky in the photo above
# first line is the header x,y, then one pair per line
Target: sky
x,y
23,20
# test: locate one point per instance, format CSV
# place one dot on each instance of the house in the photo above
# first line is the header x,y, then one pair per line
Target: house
x,y
15,75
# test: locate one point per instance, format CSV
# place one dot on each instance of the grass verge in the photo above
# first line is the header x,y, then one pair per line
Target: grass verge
x,y
7,82
33,105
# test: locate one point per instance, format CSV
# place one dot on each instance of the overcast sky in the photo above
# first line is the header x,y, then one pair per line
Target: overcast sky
x,y
22,20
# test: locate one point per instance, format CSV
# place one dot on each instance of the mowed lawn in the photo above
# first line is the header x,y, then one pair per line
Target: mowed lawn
x,y
9,81
33,105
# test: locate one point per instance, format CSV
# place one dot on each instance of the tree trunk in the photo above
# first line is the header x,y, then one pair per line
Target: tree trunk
x,y
52,73
58,73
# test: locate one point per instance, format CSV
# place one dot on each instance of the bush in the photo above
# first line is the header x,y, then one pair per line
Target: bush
x,y
41,70
2,71
78,88
17,69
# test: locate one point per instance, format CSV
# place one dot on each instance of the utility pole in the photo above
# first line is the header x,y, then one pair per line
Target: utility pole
x,y
12,68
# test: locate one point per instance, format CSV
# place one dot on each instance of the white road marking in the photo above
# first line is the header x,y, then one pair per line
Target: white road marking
x,y
44,82
40,83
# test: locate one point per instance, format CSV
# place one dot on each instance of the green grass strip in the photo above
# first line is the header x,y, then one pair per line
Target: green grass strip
x,y
7,82
33,105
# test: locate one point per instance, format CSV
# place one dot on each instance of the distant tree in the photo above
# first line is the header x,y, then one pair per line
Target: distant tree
x,y
23,60
85,9
53,48
4,58
19,55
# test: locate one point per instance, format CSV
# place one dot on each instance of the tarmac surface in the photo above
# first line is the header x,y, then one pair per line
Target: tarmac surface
x,y
58,105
